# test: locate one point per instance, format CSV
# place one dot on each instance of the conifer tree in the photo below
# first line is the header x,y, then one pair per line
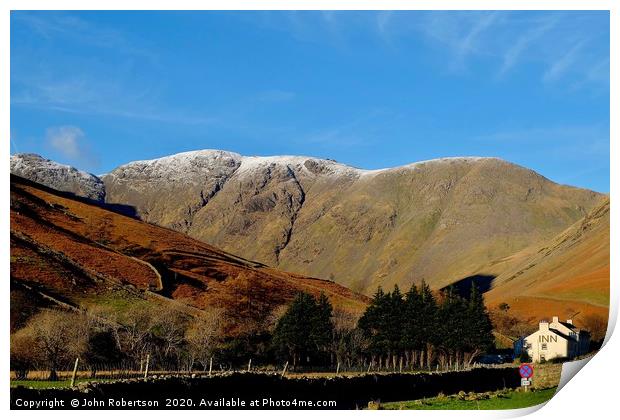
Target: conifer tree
x,y
412,334
429,324
373,322
305,329
478,336
394,322
322,328
451,326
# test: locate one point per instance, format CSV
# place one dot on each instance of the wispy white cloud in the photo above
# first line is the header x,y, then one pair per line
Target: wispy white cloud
x,y
37,91
115,93
599,71
462,34
384,18
505,38
470,42
523,42
97,97
55,24
66,140
71,143
552,40
564,62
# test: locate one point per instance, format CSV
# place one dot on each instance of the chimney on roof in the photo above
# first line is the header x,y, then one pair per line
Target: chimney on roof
x,y
543,325
569,321
556,319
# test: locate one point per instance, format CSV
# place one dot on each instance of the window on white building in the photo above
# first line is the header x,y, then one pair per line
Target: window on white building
x,y
544,346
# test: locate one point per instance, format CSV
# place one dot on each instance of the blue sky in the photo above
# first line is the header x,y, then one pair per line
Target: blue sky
x,y
370,89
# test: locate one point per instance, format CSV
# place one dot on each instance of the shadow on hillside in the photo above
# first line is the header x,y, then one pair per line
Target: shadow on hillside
x,y
463,286
124,209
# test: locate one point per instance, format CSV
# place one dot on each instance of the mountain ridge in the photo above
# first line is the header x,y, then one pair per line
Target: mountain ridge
x,y
438,220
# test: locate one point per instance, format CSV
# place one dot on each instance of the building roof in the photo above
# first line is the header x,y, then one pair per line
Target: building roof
x,y
566,337
570,326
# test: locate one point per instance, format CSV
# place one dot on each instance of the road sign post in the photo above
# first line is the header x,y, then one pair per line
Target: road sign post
x,y
526,371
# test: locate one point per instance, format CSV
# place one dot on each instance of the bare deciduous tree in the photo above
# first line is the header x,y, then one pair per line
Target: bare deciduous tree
x,y
596,325
169,327
204,336
58,337
135,336
24,354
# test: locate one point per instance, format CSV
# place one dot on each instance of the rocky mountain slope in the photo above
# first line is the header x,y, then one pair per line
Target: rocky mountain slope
x,y
68,251
439,220
567,275
57,176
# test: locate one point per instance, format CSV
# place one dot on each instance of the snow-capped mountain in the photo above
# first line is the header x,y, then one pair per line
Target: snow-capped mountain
x,y
57,176
439,220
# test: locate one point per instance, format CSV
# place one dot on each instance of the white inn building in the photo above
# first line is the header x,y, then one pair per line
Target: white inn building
x,y
555,340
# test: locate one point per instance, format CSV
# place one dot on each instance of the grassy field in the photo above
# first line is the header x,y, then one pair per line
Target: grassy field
x,y
503,400
52,384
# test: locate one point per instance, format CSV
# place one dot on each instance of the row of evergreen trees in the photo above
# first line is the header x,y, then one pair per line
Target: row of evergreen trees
x,y
415,330
425,331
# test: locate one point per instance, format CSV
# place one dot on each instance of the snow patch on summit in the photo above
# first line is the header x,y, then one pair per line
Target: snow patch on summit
x,y
57,176
197,165
185,167
308,166
422,163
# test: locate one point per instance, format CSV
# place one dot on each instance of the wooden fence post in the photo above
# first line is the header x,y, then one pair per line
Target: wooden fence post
x,y
338,368
75,367
250,365
284,370
146,368
210,365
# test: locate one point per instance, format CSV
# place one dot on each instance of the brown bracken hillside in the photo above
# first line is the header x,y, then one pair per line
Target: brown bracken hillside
x,y
70,251
565,276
